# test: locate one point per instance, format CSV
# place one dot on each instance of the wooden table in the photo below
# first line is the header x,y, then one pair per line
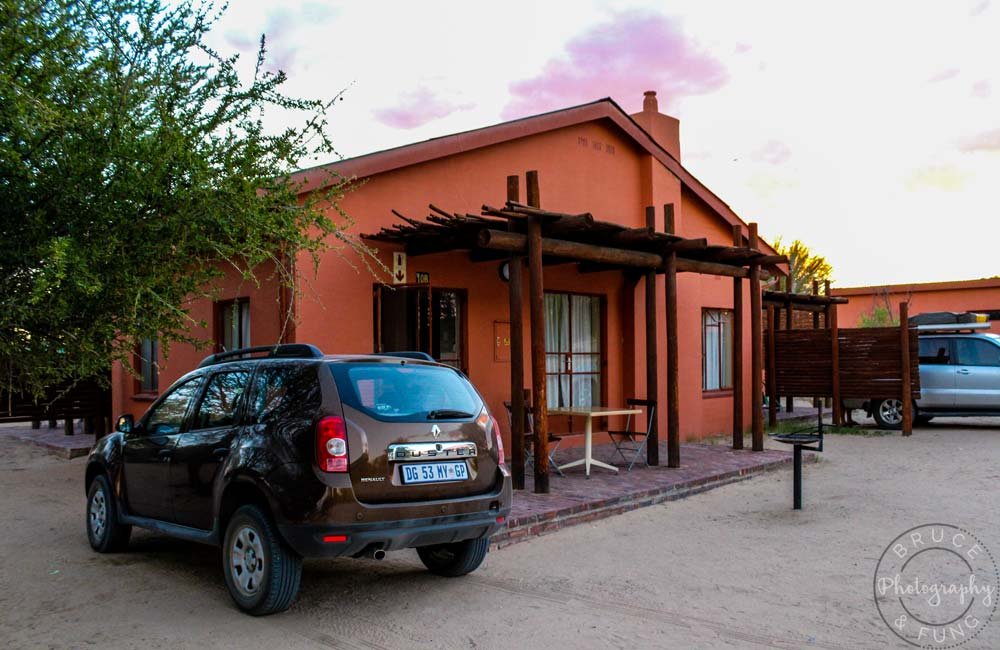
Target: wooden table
x,y
589,413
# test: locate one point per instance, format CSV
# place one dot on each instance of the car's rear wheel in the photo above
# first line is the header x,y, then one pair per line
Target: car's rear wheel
x,y
888,413
262,573
105,532
453,560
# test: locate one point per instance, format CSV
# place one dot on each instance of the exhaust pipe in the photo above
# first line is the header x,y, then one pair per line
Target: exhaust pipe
x,y
378,554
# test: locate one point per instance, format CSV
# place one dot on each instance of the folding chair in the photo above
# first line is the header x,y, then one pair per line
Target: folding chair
x,y
529,437
634,442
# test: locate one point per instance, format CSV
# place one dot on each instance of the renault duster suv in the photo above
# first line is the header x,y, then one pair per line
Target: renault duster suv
x,y
299,454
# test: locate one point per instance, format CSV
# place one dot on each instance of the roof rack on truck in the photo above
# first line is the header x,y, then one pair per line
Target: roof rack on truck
x,y
950,321
281,351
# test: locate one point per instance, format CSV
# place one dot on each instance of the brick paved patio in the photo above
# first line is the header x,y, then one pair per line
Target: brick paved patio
x,y
574,499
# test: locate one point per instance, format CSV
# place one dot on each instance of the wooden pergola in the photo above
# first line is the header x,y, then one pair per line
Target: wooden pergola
x,y
524,232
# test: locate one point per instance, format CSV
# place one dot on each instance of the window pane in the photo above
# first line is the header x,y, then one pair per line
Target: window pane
x,y
279,392
168,416
222,396
557,391
556,322
448,327
976,352
934,351
586,324
148,370
396,391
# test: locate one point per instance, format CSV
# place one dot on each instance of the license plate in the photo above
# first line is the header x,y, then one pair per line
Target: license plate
x,y
434,472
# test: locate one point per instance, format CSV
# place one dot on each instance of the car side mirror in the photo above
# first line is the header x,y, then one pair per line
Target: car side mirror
x,y
125,423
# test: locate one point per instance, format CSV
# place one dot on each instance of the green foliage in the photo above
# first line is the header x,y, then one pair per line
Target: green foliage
x,y
134,166
804,265
879,316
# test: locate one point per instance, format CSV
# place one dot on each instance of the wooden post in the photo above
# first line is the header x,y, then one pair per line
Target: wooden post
x,y
737,350
536,298
815,313
904,332
36,423
789,323
772,383
673,393
653,439
515,290
68,426
756,350
669,226
835,365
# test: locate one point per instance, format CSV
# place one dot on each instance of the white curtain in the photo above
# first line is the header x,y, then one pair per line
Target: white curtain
x,y
717,328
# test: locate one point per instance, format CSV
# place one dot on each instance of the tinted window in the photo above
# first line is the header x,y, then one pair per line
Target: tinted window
x,y
405,391
934,351
168,416
280,391
221,399
976,352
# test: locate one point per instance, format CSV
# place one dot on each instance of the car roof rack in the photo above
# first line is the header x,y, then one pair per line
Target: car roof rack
x,y
280,351
950,321
953,328
422,356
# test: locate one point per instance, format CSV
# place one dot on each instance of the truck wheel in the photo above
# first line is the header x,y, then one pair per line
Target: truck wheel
x,y
105,532
262,573
453,560
888,413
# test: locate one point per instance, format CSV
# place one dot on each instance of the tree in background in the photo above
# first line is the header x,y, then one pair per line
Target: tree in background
x,y
134,166
880,315
804,265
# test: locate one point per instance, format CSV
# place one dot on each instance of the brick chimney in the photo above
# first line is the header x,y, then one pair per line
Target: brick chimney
x,y
665,130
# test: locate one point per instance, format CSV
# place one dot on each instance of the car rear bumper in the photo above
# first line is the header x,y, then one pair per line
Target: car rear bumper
x,y
322,540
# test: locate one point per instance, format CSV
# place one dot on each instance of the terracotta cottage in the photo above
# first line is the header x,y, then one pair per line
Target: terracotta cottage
x,y
592,158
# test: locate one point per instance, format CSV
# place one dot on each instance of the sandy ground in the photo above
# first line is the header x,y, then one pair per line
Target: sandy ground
x,y
730,568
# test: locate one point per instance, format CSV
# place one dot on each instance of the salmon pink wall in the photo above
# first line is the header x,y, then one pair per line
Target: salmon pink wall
x,y
971,295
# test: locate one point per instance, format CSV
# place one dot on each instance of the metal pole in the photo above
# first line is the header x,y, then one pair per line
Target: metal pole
x,y
797,478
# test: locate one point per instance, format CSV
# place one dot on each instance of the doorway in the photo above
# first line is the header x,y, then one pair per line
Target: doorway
x,y
421,318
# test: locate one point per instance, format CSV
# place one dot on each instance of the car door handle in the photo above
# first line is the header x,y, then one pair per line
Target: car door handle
x,y
165,454
963,371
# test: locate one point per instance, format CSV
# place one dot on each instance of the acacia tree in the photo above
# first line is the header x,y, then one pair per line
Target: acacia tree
x,y
134,165
804,265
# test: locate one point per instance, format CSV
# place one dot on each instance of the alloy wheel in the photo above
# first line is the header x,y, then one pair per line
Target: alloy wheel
x,y
246,561
98,514
891,411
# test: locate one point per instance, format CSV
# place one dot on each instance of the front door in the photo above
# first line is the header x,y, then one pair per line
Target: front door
x,y
421,318
937,374
147,453
977,374
201,450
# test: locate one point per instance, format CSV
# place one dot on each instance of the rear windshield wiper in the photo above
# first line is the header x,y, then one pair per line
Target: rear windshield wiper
x,y
447,414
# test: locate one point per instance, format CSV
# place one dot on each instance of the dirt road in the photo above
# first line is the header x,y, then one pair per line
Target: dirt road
x,y
730,568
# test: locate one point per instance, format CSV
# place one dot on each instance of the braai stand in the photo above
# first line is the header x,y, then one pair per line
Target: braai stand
x,y
810,439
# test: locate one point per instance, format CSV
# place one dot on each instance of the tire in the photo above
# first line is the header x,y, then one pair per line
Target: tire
x,y
888,413
104,531
271,586
453,560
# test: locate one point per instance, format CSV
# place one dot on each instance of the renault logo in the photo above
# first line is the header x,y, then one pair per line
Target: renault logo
x,y
435,431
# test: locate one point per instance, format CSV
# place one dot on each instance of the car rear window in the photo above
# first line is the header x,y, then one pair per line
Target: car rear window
x,y
406,391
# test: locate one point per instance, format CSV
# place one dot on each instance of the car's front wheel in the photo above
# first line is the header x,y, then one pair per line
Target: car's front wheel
x,y
888,413
453,560
105,532
262,573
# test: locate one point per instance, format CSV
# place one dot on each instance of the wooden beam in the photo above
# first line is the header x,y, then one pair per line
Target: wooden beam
x,y
789,324
756,351
515,314
737,350
536,299
652,440
815,315
907,396
711,268
673,372
515,243
772,383
669,225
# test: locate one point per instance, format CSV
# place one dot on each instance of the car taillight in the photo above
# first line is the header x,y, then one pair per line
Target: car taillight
x,y
331,444
496,432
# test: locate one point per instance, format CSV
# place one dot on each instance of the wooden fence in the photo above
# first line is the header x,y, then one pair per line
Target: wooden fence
x,y
87,400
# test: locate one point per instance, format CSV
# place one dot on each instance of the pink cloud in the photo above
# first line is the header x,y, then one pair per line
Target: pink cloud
x,y
944,75
635,51
416,108
985,141
742,48
980,8
982,89
774,152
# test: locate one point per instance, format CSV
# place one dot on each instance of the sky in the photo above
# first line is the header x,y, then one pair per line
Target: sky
x,y
869,130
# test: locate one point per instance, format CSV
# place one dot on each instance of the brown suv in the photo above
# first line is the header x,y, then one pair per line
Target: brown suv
x,y
296,454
